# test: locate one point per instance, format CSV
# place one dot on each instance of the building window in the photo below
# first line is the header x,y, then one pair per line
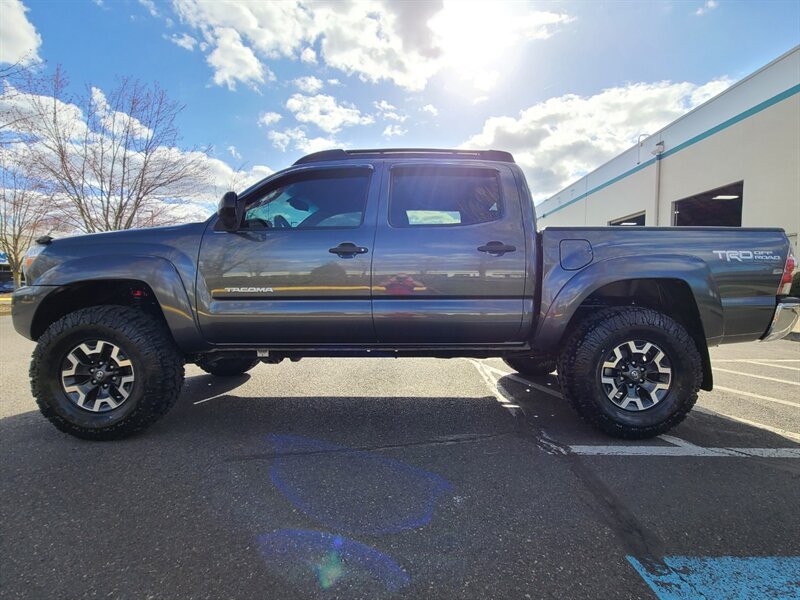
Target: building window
x,y
720,207
630,221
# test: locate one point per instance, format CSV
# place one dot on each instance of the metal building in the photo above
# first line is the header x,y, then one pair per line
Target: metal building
x,y
734,160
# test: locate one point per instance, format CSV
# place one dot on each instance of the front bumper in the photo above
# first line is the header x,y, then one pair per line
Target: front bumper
x,y
783,321
24,302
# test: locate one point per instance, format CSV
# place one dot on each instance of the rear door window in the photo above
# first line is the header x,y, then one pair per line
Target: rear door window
x,y
443,196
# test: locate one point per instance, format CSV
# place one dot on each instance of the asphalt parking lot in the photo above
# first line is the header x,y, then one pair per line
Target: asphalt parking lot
x,y
411,478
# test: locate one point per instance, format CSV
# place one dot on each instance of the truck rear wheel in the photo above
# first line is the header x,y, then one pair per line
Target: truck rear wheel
x,y
630,372
531,365
223,366
105,372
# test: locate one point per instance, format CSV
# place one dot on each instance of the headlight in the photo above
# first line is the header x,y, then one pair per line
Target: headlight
x,y
29,258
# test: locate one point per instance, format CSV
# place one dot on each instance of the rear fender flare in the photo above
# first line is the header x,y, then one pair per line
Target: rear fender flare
x,y
688,269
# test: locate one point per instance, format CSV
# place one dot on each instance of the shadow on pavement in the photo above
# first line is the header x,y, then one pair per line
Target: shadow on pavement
x,y
353,497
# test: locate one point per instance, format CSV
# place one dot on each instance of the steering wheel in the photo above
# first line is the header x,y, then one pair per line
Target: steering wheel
x,y
280,222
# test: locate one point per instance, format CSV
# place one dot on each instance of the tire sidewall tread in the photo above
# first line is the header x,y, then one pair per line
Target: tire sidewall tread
x,y
596,335
158,369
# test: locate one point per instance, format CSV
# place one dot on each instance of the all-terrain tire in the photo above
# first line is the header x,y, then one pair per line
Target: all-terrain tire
x,y
226,366
531,365
581,360
157,368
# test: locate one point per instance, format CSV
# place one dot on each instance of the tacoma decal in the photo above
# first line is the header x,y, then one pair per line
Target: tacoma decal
x,y
248,290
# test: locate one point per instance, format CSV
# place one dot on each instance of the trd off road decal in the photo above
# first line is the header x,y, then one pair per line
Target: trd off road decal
x,y
747,255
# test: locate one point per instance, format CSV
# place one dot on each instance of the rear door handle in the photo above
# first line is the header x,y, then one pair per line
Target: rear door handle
x,y
348,250
496,248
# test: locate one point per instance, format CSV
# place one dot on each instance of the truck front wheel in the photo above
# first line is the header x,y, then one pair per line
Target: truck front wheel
x,y
630,372
105,372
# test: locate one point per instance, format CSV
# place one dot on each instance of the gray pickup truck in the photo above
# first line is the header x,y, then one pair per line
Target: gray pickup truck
x,y
391,253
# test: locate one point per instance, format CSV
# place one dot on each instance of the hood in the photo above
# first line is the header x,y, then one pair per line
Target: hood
x,y
165,242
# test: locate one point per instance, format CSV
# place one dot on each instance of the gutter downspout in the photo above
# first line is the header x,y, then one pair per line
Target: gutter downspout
x,y
658,151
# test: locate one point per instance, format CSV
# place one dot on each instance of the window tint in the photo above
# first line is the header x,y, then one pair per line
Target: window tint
x,y
312,200
424,196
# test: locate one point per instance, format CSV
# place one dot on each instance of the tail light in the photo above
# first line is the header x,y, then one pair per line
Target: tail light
x,y
789,271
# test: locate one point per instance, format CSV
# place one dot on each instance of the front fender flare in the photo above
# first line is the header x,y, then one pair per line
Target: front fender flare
x,y
157,272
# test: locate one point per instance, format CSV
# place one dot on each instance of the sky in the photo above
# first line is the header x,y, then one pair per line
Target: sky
x,y
564,86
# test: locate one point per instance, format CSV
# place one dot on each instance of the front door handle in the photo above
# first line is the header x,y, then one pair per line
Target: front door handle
x,y
348,250
496,248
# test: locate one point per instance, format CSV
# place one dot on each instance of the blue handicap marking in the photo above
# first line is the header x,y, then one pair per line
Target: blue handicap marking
x,y
724,577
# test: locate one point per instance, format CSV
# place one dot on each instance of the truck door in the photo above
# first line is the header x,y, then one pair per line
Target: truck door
x,y
298,271
449,264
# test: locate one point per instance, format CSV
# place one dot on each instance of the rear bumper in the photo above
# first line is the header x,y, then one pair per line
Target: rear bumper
x,y
786,315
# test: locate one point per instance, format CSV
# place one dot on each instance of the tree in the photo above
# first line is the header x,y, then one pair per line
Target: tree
x,y
113,160
25,211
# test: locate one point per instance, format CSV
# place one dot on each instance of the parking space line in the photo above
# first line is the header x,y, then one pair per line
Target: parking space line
x,y
677,441
758,396
773,379
686,451
521,380
716,360
777,430
766,364
679,447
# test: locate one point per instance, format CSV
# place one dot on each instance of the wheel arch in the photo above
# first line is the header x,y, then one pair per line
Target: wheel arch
x,y
681,287
151,283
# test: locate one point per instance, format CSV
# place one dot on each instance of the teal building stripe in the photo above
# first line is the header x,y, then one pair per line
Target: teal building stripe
x,y
698,138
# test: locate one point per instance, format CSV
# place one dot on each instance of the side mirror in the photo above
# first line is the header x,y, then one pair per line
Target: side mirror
x,y
230,212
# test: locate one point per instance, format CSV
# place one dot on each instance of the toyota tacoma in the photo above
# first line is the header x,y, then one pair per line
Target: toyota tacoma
x,y
393,253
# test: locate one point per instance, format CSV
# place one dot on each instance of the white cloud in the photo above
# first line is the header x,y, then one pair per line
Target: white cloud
x,y
19,40
708,6
150,6
394,130
325,112
402,42
265,119
308,84
430,108
233,61
563,138
297,139
234,152
184,40
334,82
307,55
389,111
479,99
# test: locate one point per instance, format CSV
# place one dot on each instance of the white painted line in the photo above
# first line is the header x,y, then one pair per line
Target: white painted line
x,y
716,360
758,396
777,430
766,364
207,399
498,393
759,377
681,447
523,381
685,451
677,441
